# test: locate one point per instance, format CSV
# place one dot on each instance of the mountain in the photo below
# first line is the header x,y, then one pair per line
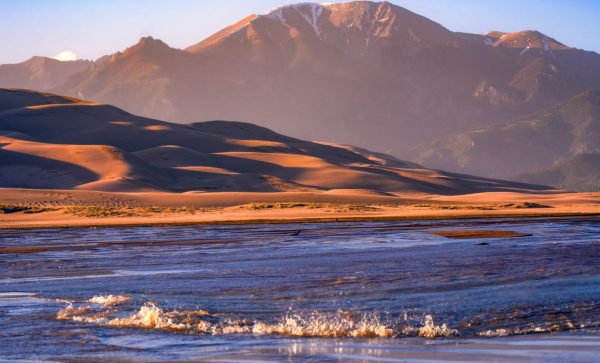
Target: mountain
x,y
527,40
141,78
366,73
526,144
55,142
580,172
40,73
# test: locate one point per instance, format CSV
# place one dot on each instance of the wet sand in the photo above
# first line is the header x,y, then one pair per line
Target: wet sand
x,y
474,234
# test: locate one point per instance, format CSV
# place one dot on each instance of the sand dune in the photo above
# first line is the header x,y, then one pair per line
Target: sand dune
x,y
53,142
18,98
93,167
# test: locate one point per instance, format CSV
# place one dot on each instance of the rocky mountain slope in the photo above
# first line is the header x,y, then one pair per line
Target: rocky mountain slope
x,y
527,144
40,73
580,172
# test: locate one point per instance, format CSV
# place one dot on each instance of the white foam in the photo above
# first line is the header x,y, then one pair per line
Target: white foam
x,y
109,300
430,330
341,323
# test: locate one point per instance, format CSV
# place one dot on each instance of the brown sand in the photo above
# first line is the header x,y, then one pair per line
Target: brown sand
x,y
59,208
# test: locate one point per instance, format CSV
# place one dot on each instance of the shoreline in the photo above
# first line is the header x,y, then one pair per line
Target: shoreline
x,y
125,223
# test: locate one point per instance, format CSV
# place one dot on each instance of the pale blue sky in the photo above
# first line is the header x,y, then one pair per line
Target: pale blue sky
x,y
93,28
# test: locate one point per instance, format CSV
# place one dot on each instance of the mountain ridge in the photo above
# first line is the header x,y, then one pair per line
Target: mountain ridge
x,y
39,72
363,73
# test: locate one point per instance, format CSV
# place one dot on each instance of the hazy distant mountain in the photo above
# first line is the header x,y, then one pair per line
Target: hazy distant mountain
x,y
365,73
39,73
529,143
53,142
580,172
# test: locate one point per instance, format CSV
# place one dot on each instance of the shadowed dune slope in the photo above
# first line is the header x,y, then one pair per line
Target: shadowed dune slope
x,y
20,98
52,142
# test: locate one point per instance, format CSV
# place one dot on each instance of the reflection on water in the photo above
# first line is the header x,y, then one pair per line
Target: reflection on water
x,y
362,292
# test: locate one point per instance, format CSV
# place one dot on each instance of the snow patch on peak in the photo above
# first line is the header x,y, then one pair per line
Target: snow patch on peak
x,y
309,11
546,46
277,14
313,17
526,49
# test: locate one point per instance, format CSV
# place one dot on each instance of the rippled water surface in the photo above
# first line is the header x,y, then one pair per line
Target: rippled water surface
x,y
342,292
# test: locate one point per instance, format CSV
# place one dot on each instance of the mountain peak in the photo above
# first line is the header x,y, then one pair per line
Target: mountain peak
x,y
353,27
149,46
353,15
37,60
310,12
524,39
151,42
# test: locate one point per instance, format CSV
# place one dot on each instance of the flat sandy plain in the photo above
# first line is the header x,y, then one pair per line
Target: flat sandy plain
x,y
28,208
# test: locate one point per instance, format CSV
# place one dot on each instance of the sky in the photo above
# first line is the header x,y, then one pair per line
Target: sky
x,y
70,29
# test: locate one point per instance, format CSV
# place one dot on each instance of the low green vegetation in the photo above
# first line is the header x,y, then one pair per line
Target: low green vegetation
x,y
99,212
342,207
13,208
453,207
157,209
519,205
105,212
523,205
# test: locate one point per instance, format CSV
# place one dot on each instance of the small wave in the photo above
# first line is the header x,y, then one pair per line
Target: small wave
x,y
72,313
115,311
533,329
337,324
109,300
316,324
16,295
430,330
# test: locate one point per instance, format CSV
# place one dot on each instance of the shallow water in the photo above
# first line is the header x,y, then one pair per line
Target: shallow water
x,y
340,292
